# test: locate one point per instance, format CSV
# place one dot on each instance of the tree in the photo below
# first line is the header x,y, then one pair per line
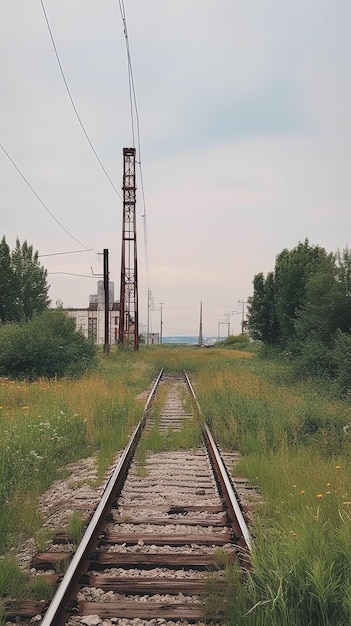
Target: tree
x,y
277,299
24,288
262,319
7,287
293,269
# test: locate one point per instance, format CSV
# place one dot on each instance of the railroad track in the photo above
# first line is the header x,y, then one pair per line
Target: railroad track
x,y
165,527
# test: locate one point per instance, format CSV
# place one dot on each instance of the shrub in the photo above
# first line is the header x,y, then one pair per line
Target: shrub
x,y
341,359
48,345
237,342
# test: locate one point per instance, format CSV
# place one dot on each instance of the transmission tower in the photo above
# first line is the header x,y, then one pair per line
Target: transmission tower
x,y
128,334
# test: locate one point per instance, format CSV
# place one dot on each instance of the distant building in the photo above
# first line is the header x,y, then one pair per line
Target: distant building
x,y
154,338
91,320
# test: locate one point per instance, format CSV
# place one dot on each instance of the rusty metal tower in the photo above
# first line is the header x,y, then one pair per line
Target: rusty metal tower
x,y
128,334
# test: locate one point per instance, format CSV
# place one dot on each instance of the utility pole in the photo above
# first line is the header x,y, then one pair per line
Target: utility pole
x,y
161,322
243,323
150,307
107,304
200,342
148,318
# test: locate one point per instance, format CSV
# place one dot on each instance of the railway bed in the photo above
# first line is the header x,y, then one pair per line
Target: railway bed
x,y
166,526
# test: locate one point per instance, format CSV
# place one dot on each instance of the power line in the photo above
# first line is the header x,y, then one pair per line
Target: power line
x,y
72,274
70,252
41,201
130,71
133,102
73,104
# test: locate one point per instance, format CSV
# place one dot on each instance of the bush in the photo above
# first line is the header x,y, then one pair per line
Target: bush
x,y
341,359
48,345
237,342
313,359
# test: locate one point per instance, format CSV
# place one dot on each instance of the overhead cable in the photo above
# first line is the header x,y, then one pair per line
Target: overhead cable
x,y
134,107
73,104
70,252
72,274
41,201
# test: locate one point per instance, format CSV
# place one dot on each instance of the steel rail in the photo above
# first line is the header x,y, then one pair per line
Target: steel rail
x,y
55,614
233,508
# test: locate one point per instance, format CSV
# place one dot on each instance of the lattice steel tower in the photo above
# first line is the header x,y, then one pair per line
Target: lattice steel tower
x,y
128,334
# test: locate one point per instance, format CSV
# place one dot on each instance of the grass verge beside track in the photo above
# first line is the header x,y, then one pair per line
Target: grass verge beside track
x,y
295,445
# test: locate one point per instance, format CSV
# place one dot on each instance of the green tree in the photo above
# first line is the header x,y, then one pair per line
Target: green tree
x,y
293,268
262,319
323,325
24,288
318,315
278,298
7,286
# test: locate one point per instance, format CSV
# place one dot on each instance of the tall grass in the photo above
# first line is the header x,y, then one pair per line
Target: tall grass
x,y
187,437
295,446
48,423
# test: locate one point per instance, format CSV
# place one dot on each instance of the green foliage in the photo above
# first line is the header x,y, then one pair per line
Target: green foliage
x,y
47,345
303,309
262,315
41,588
292,272
236,342
293,446
23,284
7,286
278,298
341,363
76,526
12,579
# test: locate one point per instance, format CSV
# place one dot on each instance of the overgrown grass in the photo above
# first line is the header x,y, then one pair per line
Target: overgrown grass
x,y
48,423
295,445
188,437
296,448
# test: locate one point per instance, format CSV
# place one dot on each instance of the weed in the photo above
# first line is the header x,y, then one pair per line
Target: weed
x,y
76,526
13,581
41,588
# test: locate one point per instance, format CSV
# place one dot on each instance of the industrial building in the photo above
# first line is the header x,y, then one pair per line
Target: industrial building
x,y
91,320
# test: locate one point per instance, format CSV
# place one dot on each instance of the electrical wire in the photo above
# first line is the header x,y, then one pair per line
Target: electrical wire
x,y
41,201
73,104
71,274
134,107
70,252
130,71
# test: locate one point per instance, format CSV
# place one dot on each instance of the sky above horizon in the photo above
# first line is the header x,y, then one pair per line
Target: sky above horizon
x,y
245,144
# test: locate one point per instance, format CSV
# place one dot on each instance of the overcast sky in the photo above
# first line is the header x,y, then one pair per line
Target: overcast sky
x,y
244,110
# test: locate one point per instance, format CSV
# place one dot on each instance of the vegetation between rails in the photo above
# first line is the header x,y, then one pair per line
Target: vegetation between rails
x,y
294,442
189,435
